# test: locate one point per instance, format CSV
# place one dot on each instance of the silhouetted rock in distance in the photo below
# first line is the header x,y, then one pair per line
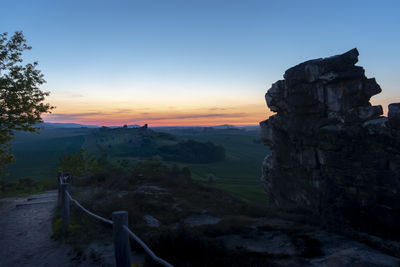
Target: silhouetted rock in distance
x,y
333,153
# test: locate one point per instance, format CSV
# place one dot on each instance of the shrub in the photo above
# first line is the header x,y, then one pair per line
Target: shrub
x,y
192,151
79,164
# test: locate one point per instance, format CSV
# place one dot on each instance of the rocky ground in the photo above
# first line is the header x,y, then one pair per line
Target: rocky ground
x,y
25,234
26,229
289,243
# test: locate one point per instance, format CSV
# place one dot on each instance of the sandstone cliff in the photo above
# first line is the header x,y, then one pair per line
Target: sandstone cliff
x,y
333,153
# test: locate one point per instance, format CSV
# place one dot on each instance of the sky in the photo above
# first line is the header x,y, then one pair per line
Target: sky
x,y
193,62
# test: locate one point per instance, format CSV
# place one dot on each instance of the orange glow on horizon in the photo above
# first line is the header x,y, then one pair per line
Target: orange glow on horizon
x,y
243,115
164,122
102,114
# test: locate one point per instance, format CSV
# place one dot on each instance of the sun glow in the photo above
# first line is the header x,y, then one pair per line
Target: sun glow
x,y
108,115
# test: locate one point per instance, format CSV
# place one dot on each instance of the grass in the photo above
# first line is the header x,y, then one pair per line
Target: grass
x,y
20,194
240,173
23,187
37,155
245,192
38,159
178,197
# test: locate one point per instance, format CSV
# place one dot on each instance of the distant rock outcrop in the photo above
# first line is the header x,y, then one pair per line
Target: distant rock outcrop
x,y
333,154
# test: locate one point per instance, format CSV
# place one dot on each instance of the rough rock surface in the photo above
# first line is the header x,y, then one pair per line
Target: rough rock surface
x,y
287,243
333,153
25,237
25,229
194,221
151,221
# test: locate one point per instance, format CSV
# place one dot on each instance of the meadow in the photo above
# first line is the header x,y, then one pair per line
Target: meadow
x,y
36,155
239,173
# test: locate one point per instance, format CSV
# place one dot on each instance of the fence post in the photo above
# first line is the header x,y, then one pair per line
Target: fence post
x,y
122,247
59,186
64,207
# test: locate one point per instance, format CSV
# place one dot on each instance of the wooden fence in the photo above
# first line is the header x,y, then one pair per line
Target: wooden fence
x,y
121,231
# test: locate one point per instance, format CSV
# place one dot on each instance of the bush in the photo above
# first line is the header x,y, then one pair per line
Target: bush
x,y
22,186
79,164
191,151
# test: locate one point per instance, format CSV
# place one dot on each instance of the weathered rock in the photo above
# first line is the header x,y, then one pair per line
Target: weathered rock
x,y
296,244
151,190
199,220
312,70
394,115
274,243
332,152
151,221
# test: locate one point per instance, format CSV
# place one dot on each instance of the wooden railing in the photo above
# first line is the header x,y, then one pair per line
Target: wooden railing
x,y
121,232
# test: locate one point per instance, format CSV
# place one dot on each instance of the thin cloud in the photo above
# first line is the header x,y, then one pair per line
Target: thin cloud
x,y
122,110
217,108
197,116
194,116
69,116
64,116
109,118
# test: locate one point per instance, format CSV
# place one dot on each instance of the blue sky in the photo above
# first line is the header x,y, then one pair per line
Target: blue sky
x,y
134,61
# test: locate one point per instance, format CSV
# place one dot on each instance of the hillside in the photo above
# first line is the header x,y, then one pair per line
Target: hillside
x,y
37,154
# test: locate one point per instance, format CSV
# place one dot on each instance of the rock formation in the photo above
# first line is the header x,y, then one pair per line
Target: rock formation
x,y
333,153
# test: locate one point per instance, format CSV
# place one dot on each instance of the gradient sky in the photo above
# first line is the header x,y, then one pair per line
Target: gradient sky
x,y
203,62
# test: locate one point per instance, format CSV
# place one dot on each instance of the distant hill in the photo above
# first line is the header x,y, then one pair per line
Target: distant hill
x,y
224,126
143,142
230,127
128,126
50,125
37,154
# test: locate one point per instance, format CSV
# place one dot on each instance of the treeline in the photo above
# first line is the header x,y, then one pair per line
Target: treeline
x,y
23,186
191,151
143,142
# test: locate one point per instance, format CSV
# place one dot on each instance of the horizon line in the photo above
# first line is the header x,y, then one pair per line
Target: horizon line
x,y
148,124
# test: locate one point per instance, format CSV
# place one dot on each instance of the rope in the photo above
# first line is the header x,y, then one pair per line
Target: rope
x,y
88,212
146,248
135,237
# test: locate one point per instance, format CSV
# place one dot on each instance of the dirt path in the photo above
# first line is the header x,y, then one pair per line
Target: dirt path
x,y
25,229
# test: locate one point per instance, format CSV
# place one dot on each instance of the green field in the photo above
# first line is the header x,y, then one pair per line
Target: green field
x,y
37,154
240,172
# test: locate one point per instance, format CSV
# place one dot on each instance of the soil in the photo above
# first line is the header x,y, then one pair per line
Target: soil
x,y
25,234
25,230
25,240
25,237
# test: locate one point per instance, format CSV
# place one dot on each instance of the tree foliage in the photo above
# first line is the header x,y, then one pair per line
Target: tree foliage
x,y
21,100
79,164
192,151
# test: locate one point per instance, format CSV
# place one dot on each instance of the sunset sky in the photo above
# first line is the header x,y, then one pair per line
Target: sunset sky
x,y
193,62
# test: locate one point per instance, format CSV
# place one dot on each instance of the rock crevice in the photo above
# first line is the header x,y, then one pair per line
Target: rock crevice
x,y
333,153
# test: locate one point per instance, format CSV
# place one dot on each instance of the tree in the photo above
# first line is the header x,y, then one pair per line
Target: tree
x,y
21,100
79,164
